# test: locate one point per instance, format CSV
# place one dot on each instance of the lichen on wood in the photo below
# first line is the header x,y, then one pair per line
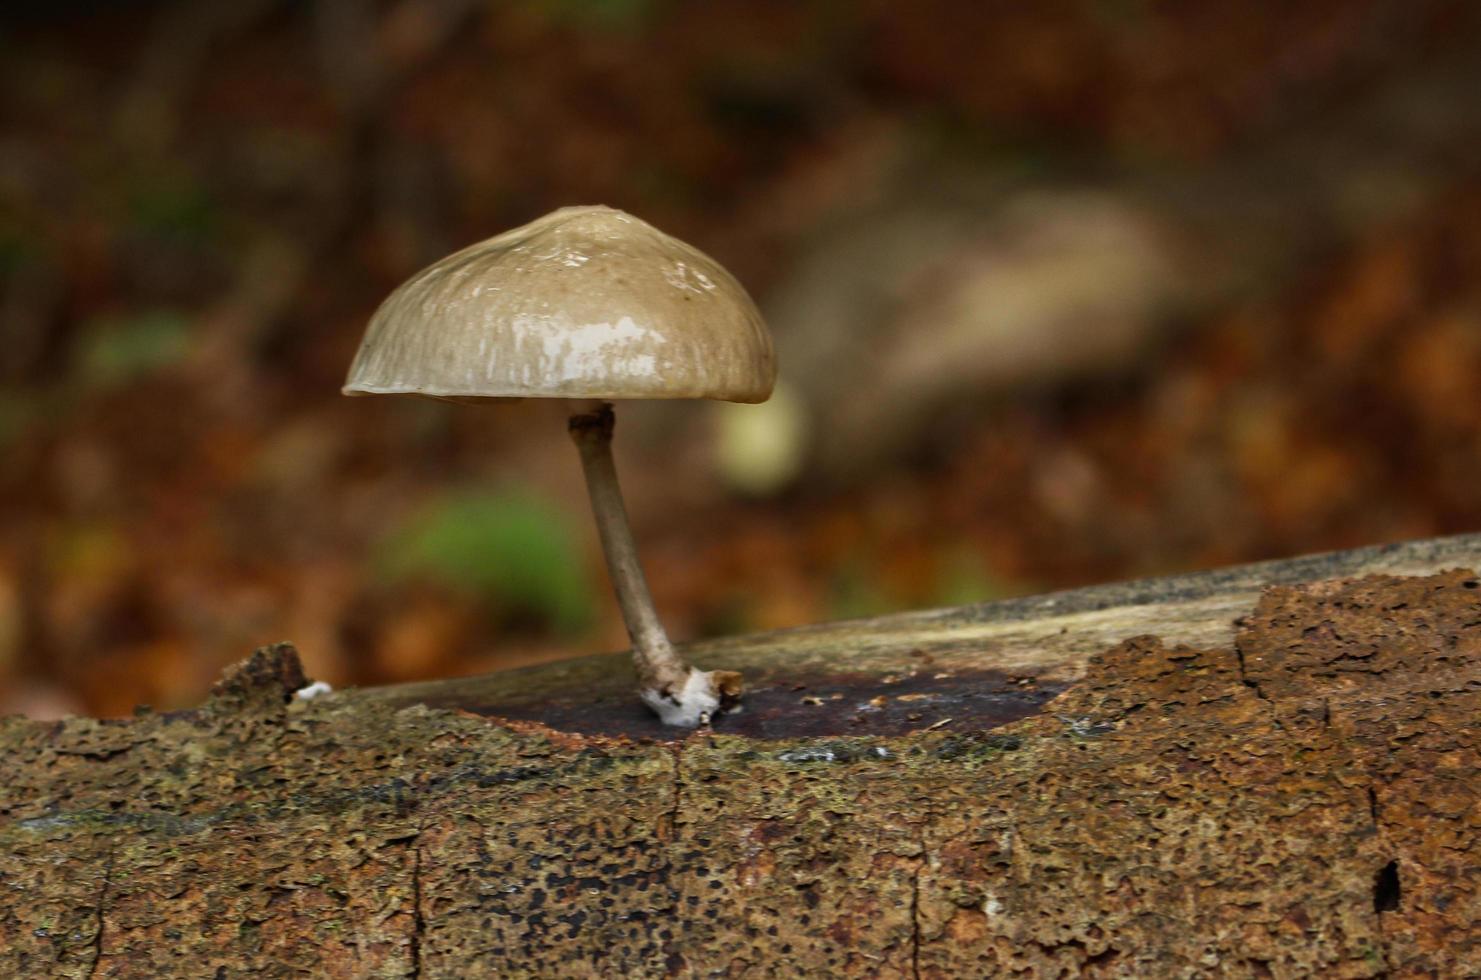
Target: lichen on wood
x,y
1302,800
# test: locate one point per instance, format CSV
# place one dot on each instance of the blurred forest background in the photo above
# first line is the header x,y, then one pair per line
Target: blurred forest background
x,y
1064,292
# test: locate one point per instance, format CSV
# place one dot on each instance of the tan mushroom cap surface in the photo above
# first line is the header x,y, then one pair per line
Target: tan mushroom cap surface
x,y
586,302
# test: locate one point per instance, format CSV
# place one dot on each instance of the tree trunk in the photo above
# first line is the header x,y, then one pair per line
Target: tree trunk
x,y
1267,771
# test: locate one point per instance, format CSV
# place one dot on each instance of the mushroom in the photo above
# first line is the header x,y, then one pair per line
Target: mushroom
x,y
584,303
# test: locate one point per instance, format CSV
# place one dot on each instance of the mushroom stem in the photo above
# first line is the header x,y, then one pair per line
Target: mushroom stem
x,y
680,694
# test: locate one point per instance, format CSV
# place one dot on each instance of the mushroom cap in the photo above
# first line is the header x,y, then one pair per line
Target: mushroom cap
x,y
586,302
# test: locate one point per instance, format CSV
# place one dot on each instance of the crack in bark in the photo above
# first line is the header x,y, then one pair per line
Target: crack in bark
x,y
1375,814
1374,810
1254,686
101,903
418,921
99,755
925,856
672,817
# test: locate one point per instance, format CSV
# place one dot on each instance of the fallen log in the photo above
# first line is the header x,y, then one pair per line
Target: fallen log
x,y
1263,771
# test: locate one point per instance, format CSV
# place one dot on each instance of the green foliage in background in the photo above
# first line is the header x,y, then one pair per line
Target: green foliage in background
x,y
16,251
856,593
16,413
118,350
177,208
510,550
964,579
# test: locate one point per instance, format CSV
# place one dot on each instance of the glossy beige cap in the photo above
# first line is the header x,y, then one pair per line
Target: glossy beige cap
x,y
586,302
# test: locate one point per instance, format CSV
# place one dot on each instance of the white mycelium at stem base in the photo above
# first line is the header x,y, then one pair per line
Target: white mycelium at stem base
x,y
680,694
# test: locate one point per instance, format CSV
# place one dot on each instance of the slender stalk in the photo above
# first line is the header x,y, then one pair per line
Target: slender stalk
x,y
660,669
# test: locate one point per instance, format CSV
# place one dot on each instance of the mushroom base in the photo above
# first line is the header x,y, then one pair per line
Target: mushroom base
x,y
678,693
705,694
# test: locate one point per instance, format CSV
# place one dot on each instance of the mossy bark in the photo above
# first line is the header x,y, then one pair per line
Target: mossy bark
x,y
1302,799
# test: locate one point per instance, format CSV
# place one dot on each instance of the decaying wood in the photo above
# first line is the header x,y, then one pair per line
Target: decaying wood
x,y
1294,795
1047,637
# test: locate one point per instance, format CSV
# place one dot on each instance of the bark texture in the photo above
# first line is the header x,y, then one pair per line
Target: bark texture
x,y
1303,799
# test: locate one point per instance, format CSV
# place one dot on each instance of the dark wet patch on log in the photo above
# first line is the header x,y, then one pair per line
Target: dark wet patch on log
x,y
815,705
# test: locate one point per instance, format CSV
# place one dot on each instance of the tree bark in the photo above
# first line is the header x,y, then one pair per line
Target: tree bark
x,y
1267,771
